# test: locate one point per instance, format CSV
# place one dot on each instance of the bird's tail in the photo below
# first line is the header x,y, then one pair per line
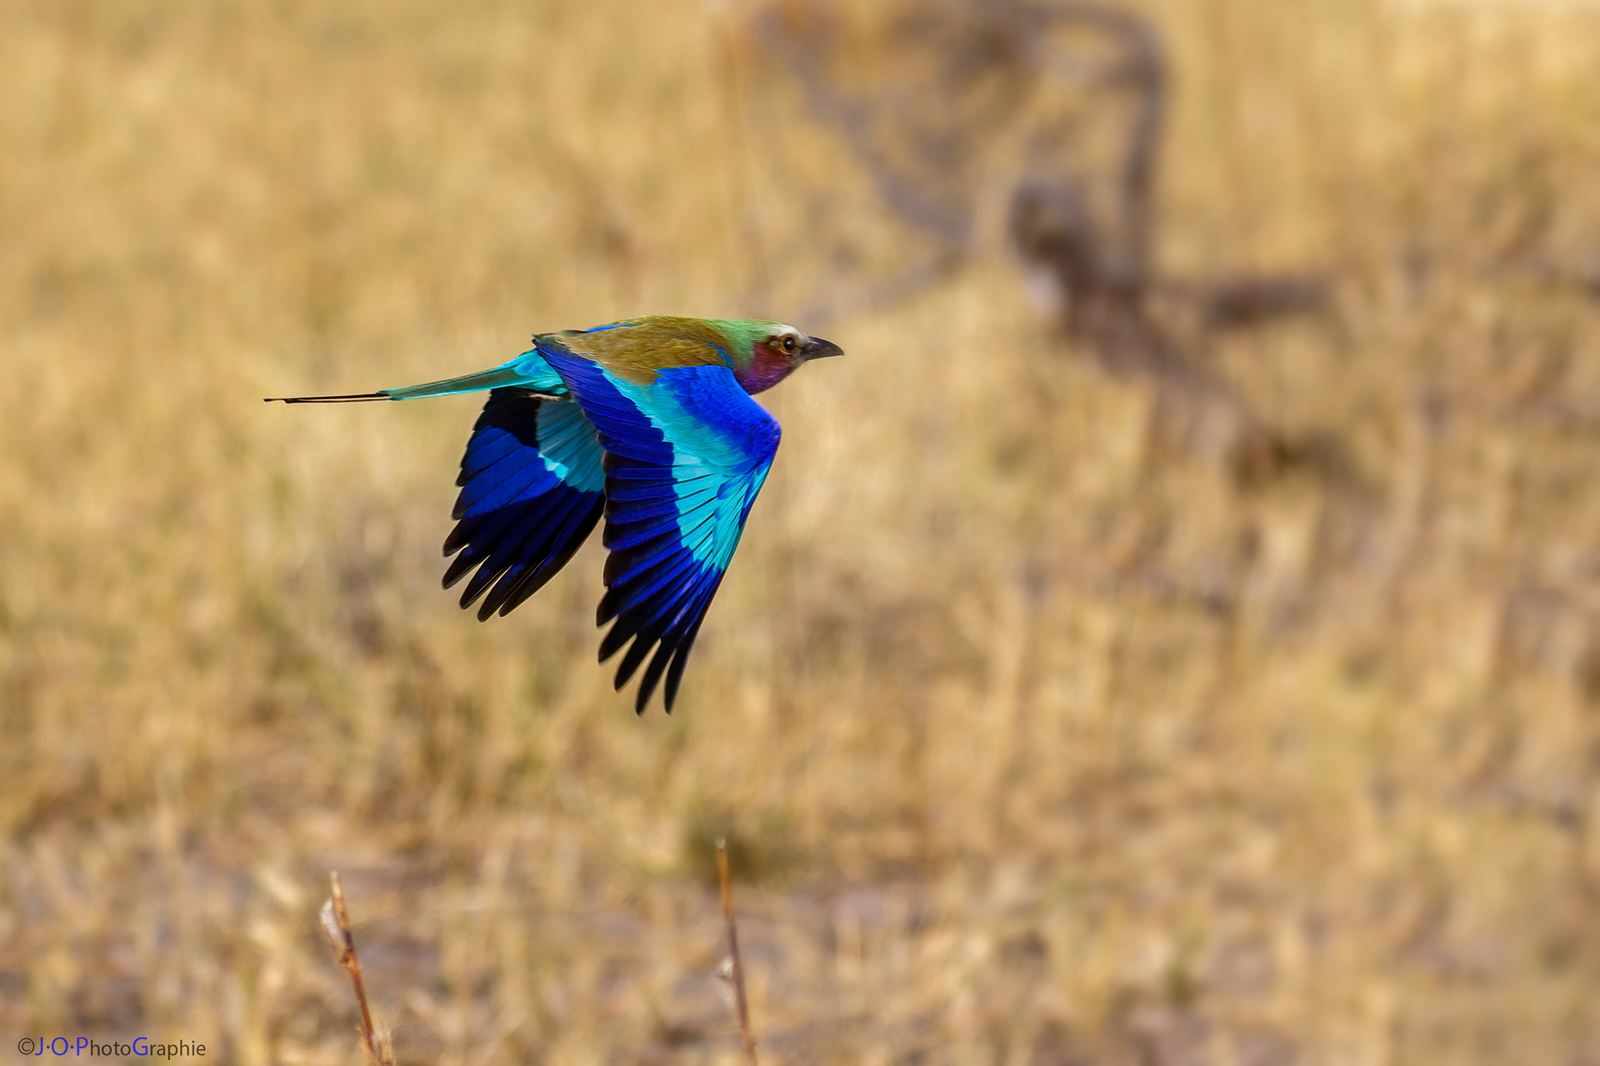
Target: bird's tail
x,y
499,377
354,397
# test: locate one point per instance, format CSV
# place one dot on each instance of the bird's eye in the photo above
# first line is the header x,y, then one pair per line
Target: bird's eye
x,y
788,342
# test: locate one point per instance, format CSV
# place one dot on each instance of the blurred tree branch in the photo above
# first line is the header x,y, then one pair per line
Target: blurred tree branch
x,y
966,73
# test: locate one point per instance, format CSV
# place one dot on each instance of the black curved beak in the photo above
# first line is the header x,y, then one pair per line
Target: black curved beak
x,y
817,348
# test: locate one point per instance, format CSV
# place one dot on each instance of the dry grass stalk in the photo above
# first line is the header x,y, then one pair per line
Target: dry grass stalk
x,y
336,928
733,968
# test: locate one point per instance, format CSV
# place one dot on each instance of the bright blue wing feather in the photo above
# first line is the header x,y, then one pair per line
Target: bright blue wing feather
x,y
532,489
685,457
521,475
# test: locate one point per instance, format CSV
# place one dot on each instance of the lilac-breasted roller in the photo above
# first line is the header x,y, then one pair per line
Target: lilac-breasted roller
x,y
648,422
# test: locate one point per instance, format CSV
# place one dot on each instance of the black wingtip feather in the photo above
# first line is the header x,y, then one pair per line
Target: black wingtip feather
x,y
457,570
680,659
518,591
615,638
652,673
643,644
459,538
609,605
527,585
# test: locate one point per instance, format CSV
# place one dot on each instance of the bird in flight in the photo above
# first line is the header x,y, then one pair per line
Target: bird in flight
x,y
648,422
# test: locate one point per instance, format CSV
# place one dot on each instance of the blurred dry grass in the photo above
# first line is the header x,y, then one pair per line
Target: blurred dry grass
x,y
1034,746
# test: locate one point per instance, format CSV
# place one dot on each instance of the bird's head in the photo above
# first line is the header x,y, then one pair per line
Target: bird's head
x,y
771,351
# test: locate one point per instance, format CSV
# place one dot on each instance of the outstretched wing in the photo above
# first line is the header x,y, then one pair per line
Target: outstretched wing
x,y
532,489
685,456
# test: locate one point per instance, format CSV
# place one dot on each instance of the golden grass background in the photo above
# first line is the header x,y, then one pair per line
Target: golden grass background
x,y
1034,746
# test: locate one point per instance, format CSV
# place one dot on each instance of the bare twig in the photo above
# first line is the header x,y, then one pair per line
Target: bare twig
x,y
336,929
734,966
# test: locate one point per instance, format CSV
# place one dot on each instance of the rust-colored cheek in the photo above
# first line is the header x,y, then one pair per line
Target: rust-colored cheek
x,y
768,366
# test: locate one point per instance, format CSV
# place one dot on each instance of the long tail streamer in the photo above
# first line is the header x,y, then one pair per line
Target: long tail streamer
x,y
353,397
